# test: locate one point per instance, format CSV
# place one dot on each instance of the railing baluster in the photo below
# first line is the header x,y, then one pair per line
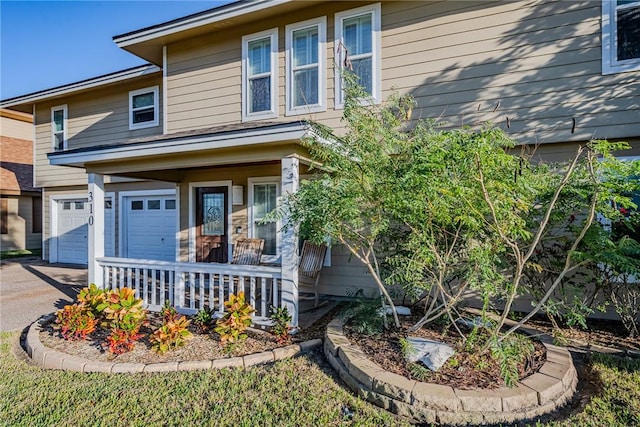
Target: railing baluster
x,y
145,286
180,288
220,292
201,289
192,290
263,295
274,293
252,291
162,287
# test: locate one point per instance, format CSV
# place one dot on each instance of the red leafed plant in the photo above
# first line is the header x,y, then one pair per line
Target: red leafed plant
x,y
122,341
76,322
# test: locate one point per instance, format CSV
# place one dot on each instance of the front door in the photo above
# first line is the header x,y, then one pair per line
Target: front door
x,y
211,224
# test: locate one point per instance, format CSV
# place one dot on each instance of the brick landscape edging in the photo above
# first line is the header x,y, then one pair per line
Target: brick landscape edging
x,y
543,392
48,358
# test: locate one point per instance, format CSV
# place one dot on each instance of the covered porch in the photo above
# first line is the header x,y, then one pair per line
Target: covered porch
x,y
224,179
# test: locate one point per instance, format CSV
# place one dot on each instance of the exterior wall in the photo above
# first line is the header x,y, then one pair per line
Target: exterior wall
x,y
96,117
20,223
536,63
16,125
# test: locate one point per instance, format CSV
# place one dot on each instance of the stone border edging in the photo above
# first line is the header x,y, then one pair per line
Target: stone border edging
x,y
47,358
543,392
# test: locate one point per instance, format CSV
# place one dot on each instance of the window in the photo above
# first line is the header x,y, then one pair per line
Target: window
x,y
143,108
620,36
137,205
357,44
306,69
263,198
36,215
59,128
259,75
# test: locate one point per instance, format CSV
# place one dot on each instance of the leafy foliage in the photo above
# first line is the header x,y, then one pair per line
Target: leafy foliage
x,y
364,316
92,297
76,321
236,320
203,319
122,341
281,320
511,352
172,334
168,312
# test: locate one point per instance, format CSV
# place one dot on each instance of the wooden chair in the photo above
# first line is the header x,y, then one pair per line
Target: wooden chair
x,y
247,251
311,261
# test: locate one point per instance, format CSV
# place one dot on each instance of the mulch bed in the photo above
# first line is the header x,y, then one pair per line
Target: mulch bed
x,y
468,371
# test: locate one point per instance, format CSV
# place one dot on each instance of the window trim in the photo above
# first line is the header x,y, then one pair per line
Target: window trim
x,y
251,182
151,123
610,64
376,51
321,105
272,34
65,121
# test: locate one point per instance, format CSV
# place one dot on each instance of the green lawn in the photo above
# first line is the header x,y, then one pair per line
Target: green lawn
x,y
296,392
20,253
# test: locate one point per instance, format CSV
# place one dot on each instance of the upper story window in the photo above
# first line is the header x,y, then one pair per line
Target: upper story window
x,y
259,75
59,128
357,43
306,69
143,108
620,36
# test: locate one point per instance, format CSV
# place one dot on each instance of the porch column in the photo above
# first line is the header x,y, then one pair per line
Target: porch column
x,y
290,180
96,227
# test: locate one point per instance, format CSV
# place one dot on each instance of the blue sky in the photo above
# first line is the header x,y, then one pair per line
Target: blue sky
x,y
44,44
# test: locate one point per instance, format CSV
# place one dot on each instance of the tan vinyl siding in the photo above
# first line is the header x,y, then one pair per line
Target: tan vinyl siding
x,y
96,117
18,129
537,63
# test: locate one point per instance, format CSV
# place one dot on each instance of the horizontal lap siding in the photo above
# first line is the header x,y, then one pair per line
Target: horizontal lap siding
x,y
97,117
539,61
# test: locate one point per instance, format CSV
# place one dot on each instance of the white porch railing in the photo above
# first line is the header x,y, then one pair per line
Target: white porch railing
x,y
194,286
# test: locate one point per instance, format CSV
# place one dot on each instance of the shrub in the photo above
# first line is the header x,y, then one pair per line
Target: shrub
x,y
280,328
171,335
124,316
122,341
203,320
236,320
92,297
169,313
76,322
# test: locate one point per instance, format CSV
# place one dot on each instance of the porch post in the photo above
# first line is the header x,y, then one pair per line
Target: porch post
x,y
290,179
96,227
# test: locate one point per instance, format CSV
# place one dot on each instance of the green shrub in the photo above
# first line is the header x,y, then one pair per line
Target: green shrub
x,y
236,320
171,335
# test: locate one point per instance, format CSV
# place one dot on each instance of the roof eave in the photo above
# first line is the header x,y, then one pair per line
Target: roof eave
x,y
118,76
180,145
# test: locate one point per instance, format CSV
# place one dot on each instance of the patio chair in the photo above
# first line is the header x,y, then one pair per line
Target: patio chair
x,y
247,251
311,261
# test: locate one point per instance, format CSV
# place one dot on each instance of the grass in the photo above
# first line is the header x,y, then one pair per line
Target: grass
x,y
295,392
20,253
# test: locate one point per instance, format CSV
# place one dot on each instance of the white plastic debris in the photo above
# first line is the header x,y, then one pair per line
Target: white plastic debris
x,y
401,310
476,322
433,354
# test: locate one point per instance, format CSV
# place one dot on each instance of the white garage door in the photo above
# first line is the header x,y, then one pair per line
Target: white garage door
x,y
150,227
72,230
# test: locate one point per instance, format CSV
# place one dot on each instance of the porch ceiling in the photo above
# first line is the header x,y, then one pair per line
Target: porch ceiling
x,y
163,157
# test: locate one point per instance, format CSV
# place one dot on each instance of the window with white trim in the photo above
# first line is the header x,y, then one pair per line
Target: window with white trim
x,y
306,69
59,128
143,108
260,75
620,36
263,198
357,44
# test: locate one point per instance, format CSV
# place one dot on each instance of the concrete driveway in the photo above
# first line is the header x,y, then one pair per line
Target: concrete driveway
x,y
30,287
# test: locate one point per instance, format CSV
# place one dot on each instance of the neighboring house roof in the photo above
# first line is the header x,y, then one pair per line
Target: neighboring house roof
x,y
16,171
106,79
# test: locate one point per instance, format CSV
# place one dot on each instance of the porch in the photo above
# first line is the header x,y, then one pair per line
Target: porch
x,y
216,177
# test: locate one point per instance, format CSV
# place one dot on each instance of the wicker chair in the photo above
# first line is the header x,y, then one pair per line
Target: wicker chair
x,y
247,251
311,261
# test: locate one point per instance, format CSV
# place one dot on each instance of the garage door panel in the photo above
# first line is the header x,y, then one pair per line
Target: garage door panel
x,y
151,228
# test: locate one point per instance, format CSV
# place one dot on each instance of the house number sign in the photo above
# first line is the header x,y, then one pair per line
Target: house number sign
x,y
90,208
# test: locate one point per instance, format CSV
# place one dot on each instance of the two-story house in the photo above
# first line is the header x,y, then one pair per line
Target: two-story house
x,y
151,174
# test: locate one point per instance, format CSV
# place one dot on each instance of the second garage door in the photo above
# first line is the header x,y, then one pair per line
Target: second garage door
x,y
150,227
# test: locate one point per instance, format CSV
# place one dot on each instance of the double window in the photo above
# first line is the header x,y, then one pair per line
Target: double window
x,y
306,66
59,128
143,108
357,44
620,36
260,75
